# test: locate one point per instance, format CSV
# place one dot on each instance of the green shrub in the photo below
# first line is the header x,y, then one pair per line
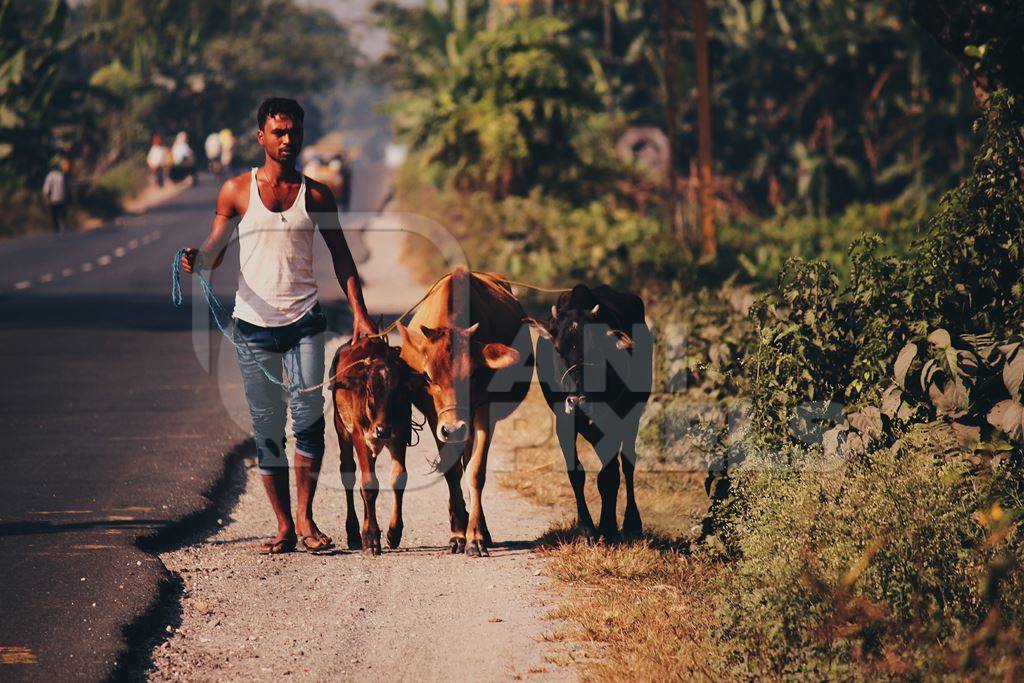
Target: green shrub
x,y
760,248
881,565
820,342
882,546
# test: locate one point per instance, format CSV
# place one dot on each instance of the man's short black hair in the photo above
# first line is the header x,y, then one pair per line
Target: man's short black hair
x,y
274,106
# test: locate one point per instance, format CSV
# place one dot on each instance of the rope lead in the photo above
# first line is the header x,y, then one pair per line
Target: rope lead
x,y
216,308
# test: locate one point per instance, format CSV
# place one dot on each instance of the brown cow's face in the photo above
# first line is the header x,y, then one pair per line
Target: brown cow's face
x,y
373,387
453,364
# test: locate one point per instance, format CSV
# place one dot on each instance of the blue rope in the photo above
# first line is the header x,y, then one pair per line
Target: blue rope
x,y
216,308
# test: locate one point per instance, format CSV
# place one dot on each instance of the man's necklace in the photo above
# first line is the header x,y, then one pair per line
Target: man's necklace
x,y
272,191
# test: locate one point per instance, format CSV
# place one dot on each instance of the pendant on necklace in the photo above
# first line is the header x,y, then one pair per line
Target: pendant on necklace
x,y
283,219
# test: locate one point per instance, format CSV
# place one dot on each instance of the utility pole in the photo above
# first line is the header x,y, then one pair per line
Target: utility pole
x,y
671,117
706,195
606,16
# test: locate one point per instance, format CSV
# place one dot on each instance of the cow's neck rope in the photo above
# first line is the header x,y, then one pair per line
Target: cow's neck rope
x,y
216,308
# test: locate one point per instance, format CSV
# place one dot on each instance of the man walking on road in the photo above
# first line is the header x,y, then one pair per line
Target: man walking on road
x,y
55,193
278,321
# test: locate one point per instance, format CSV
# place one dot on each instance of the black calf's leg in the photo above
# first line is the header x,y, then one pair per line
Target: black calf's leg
x,y
566,429
608,487
632,527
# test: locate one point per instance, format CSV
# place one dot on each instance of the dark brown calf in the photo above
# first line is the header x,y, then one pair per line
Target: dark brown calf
x,y
372,410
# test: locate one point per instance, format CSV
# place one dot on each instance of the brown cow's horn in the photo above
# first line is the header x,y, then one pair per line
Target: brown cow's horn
x,y
471,329
595,309
554,311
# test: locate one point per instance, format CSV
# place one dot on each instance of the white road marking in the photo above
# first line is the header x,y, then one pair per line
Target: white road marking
x,y
46,277
156,234
86,267
103,260
146,239
133,244
120,252
24,284
66,272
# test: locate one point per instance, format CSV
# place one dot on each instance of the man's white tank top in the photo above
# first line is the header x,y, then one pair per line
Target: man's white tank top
x,y
276,286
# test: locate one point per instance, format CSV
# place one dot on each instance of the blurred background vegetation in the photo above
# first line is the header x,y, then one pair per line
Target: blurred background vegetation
x,y
95,82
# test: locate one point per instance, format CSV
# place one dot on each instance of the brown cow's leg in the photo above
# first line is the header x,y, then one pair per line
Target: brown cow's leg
x,y
476,472
452,476
565,427
348,482
399,477
368,488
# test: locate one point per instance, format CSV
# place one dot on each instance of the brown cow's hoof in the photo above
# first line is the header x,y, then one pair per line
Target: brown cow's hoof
x,y
609,534
394,537
457,544
371,543
476,549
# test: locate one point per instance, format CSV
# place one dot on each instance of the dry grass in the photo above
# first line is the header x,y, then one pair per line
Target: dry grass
x,y
644,610
646,606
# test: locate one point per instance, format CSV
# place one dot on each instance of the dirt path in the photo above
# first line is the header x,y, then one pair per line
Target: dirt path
x,y
417,613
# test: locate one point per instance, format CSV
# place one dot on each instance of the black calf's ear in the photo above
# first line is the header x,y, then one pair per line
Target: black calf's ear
x,y
542,330
623,341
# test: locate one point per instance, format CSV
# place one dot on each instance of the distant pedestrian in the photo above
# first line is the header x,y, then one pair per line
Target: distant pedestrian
x,y
55,194
183,159
227,149
212,147
158,160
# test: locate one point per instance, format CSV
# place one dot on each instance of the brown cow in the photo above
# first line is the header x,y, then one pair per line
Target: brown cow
x,y
372,409
469,341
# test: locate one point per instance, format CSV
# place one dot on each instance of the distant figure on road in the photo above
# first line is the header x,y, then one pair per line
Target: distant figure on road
x,y
55,194
183,160
227,149
158,159
212,148
278,322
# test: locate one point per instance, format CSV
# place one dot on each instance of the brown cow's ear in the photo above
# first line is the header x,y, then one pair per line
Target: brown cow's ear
x,y
499,356
431,334
410,347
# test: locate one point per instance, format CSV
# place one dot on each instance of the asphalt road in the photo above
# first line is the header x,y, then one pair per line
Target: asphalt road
x,y
113,430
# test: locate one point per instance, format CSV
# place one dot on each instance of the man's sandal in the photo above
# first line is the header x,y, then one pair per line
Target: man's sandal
x,y
278,547
317,544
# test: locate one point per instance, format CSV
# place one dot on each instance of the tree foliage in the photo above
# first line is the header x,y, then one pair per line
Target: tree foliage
x,y
499,108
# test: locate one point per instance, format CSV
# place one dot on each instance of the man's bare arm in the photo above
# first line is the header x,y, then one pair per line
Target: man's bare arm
x,y
323,203
212,252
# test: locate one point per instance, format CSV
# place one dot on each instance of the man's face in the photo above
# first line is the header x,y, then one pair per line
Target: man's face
x,y
281,138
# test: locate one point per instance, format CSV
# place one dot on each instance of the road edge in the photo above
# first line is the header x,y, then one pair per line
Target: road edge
x,y
146,631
